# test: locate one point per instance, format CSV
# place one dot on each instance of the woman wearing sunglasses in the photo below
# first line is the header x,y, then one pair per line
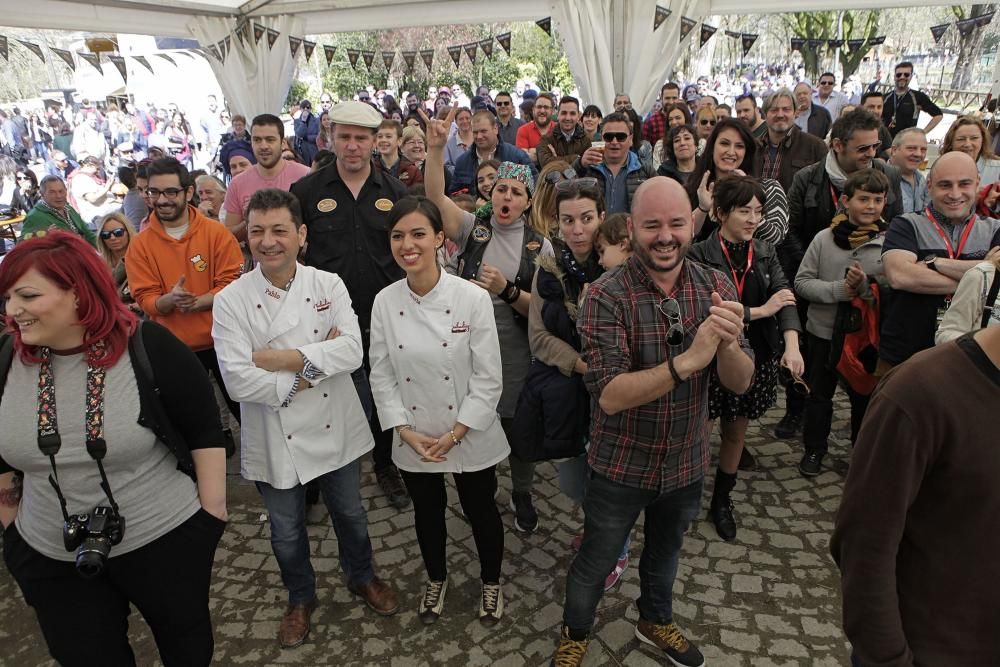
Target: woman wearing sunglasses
x,y
26,193
770,319
730,151
113,238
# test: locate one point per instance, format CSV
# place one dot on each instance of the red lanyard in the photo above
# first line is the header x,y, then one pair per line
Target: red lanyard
x,y
739,282
833,195
952,253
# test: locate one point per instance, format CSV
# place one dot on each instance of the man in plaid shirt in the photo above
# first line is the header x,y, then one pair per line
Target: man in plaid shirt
x,y
653,332
655,127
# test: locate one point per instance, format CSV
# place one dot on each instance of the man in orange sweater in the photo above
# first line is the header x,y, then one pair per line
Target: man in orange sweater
x,y
179,262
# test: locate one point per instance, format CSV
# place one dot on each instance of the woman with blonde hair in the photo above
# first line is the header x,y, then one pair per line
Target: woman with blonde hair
x,y
542,216
113,238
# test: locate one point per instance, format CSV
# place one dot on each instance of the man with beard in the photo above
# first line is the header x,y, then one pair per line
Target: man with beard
x,y
654,334
509,124
486,146
784,149
530,134
747,111
412,105
179,262
345,208
567,141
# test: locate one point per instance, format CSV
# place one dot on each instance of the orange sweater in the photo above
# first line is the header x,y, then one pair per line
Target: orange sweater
x,y
207,255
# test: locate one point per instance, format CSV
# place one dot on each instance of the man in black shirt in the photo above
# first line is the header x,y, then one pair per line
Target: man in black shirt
x,y
345,207
902,106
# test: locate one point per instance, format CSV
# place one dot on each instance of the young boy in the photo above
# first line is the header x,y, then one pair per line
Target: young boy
x,y
612,241
839,265
388,140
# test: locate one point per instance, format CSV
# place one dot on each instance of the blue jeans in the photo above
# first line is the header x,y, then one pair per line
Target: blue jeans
x,y
611,510
573,477
341,490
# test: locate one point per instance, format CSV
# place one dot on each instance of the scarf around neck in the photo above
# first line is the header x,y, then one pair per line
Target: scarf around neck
x,y
850,236
833,170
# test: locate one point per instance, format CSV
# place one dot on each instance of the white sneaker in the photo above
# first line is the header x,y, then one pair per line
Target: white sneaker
x,y
433,602
491,605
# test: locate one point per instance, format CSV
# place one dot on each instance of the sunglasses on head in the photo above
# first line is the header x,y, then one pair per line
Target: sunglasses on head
x,y
575,185
705,121
614,136
117,233
554,177
672,310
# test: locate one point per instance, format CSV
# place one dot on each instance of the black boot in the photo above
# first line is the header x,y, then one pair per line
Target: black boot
x,y
721,509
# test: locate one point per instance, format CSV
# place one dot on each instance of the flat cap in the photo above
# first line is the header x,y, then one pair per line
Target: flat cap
x,y
355,113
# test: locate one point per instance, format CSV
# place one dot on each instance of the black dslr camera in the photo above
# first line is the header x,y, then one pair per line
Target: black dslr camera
x,y
93,535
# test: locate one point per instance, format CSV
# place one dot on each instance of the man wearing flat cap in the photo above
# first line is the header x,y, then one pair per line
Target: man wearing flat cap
x,y
345,207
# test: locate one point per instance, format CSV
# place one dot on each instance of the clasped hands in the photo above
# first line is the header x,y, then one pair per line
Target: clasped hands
x,y
429,448
719,332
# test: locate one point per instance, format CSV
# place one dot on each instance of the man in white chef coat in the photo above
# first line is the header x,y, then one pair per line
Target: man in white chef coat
x,y
288,340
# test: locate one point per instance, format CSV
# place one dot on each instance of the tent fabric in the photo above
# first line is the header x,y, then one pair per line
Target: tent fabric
x,y
254,78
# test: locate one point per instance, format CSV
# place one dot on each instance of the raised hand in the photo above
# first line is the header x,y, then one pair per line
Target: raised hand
x,y
437,130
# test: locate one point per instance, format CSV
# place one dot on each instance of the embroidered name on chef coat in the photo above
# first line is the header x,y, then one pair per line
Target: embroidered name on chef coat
x,y
460,327
320,306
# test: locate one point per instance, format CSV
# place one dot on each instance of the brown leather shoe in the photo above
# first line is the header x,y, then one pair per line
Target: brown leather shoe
x,y
294,626
378,595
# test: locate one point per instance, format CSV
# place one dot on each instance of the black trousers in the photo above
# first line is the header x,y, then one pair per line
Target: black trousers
x,y
382,454
823,381
475,492
210,361
85,621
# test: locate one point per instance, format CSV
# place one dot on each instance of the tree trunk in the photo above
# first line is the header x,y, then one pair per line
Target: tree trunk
x,y
969,47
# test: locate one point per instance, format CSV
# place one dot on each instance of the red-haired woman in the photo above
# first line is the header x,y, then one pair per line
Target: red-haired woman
x,y
131,440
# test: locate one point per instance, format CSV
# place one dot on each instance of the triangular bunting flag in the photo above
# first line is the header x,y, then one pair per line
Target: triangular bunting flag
x,y
855,44
66,56
964,27
188,54
258,32
214,50
835,43
939,30
471,50
661,15
985,19
222,50
410,57
167,58
876,41
229,44
504,40
308,47
246,32
93,59
733,34
4,48
387,58
687,25
456,53
34,48
813,44
797,43
369,57
329,52
427,55
142,60
239,31
352,57
272,37
119,63
545,24
293,45
706,33
487,46
747,40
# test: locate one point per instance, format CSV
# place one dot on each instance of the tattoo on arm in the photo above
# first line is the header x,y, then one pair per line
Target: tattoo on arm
x,y
11,496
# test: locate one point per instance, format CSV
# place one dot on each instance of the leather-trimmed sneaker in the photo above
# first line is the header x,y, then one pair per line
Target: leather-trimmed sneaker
x,y
432,604
811,464
570,652
491,605
379,596
668,638
295,624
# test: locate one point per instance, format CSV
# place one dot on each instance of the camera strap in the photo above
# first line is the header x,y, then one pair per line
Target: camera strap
x,y
49,441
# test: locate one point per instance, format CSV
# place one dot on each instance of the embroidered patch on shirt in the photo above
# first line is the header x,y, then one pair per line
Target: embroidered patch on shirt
x,y
273,293
326,205
383,204
460,327
199,264
481,233
322,305
532,246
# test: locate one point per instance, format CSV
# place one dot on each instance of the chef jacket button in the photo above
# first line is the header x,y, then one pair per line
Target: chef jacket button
x,y
289,437
413,407
315,331
326,395
444,344
400,312
308,299
447,312
328,426
449,407
401,347
445,377
258,305
407,379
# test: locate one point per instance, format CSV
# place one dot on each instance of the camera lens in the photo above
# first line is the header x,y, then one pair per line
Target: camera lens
x,y
92,555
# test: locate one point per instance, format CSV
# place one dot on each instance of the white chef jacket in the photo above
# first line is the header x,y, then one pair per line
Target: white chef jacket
x,y
324,427
436,361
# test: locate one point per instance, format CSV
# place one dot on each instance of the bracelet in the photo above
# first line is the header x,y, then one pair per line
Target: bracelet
x,y
404,427
454,441
746,315
703,210
510,293
673,371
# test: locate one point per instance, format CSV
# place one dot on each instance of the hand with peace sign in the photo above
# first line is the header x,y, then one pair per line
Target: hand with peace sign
x,y
437,130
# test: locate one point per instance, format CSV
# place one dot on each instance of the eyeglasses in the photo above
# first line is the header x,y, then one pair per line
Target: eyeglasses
x,y
623,105
615,136
869,147
554,177
794,380
705,121
575,185
826,83
904,75
171,193
117,233
672,310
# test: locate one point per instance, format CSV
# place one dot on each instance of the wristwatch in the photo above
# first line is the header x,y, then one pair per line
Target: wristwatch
x,y
929,261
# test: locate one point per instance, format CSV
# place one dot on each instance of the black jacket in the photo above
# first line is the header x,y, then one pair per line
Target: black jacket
x,y
819,122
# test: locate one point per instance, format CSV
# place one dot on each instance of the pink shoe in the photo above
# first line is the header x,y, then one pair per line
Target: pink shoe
x,y
616,574
577,541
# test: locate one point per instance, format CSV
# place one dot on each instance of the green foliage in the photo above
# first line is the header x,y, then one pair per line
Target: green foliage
x,y
823,25
297,92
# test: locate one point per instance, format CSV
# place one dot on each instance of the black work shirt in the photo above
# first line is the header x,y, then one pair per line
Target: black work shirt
x,y
898,112
351,237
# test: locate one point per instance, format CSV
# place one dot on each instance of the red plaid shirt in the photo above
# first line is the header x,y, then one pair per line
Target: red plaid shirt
x,y
662,445
655,128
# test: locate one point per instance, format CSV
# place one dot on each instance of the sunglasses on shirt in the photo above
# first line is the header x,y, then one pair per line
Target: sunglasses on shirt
x,y
672,310
117,233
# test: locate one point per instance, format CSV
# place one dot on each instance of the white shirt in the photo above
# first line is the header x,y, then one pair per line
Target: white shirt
x,y
324,427
834,104
436,361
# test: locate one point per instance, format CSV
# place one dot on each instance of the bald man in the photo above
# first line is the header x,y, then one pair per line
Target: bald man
x,y
925,255
650,333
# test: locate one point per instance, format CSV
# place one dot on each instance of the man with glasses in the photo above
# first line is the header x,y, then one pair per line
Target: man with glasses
x,y
53,211
58,165
903,105
655,127
622,102
828,98
509,125
486,146
530,134
810,117
813,203
653,334
615,166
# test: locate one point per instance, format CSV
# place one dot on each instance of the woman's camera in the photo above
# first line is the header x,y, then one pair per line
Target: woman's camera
x,y
93,535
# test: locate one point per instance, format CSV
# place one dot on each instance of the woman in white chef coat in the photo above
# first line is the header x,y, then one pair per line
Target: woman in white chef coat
x,y
436,378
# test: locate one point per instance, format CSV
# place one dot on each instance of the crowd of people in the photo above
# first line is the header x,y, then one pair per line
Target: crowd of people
x,y
454,283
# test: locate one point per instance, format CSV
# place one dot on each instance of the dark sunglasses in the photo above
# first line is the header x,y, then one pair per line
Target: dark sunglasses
x,y
554,177
904,75
117,233
795,381
869,147
672,310
503,103
620,137
705,121
826,83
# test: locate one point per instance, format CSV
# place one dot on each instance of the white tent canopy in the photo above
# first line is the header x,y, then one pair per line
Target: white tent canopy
x,y
610,44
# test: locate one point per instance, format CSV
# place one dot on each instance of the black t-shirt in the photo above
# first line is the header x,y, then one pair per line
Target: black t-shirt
x,y
898,112
351,237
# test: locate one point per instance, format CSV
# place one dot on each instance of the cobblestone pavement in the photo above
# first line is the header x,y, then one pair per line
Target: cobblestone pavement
x,y
770,598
